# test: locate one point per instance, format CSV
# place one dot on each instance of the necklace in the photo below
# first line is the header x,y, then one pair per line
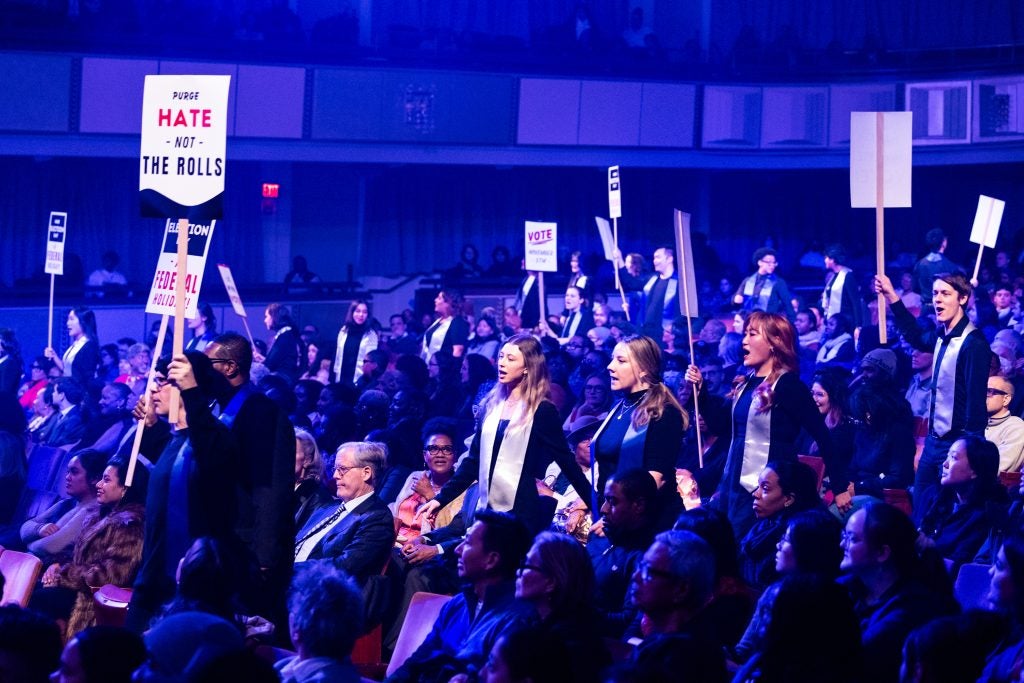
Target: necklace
x,y
626,408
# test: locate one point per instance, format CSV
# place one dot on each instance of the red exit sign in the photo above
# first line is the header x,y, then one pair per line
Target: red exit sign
x,y
271,190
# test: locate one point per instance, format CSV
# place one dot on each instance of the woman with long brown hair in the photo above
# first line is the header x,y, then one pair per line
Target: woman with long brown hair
x,y
645,429
356,338
770,405
520,434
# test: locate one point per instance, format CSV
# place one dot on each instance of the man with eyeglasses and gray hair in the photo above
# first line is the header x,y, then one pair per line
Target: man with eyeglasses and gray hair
x,y
355,535
1005,430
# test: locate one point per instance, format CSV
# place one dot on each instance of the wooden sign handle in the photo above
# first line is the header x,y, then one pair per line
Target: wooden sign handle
x,y
178,346
883,333
49,325
684,279
141,425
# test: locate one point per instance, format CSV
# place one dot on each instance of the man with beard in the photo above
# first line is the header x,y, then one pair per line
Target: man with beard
x,y
628,515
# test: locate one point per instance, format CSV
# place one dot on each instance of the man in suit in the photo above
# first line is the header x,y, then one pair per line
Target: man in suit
x,y
357,534
69,425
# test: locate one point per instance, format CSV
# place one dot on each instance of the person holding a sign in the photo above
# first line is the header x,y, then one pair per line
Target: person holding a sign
x,y
770,406
645,429
659,305
962,361
81,359
764,290
520,434
356,338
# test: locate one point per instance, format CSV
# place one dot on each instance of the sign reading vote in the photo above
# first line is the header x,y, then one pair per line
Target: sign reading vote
x,y
542,246
161,294
184,138
55,234
229,285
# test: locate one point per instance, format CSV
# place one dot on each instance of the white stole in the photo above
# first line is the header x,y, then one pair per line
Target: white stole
x,y
499,492
832,297
757,439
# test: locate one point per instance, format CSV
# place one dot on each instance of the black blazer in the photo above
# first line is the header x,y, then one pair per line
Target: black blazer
x,y
67,429
547,443
10,374
284,355
83,367
586,323
361,543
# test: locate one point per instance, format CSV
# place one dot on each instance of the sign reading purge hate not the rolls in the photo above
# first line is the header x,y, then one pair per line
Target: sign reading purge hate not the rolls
x,y
184,139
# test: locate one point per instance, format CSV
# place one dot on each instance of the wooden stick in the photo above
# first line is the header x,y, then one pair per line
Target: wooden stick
x,y
245,322
683,281
883,335
615,267
543,302
981,247
49,325
141,424
178,346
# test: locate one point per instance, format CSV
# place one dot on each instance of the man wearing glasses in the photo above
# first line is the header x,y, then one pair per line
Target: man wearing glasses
x,y
1004,430
356,535
764,290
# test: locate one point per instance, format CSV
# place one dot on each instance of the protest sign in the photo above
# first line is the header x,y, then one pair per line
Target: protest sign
x,y
163,293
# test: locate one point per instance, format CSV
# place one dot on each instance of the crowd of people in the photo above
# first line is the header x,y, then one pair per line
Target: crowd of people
x,y
780,497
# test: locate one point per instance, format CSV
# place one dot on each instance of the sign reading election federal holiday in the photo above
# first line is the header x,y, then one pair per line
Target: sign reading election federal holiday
x,y
55,234
184,139
161,294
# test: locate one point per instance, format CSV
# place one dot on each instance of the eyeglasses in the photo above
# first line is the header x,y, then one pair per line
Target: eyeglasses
x,y
342,470
848,538
646,572
524,567
160,382
995,392
434,449
221,360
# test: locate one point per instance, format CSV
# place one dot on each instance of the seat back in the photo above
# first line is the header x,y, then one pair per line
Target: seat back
x,y
111,605
41,463
971,585
423,611
21,571
817,464
1010,480
899,499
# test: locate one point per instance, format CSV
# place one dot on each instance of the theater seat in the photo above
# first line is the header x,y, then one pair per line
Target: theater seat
x,y
423,611
899,499
111,605
817,464
21,571
1010,480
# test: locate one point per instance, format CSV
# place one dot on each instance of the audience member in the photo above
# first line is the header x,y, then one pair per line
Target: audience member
x,y
203,326
30,645
285,353
68,425
1005,430
357,337
101,654
81,359
450,331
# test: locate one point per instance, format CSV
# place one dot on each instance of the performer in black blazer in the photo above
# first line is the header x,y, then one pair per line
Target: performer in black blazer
x,y
770,407
81,359
528,300
356,534
287,350
577,319
519,436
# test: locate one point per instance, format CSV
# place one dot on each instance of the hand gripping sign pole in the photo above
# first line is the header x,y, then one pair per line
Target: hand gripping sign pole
x,y
881,145
986,228
615,213
55,237
688,306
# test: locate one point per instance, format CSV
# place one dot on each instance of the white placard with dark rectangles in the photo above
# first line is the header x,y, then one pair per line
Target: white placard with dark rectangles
x,y
229,285
542,246
184,139
55,234
161,294
614,193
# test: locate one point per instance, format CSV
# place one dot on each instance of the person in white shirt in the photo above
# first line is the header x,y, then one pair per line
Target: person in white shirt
x,y
1006,431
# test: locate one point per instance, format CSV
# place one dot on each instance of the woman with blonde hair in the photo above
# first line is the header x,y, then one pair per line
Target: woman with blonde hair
x,y
520,434
310,492
770,405
645,429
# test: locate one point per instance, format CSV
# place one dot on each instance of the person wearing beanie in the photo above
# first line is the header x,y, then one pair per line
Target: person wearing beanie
x,y
764,290
878,365
962,361
971,501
